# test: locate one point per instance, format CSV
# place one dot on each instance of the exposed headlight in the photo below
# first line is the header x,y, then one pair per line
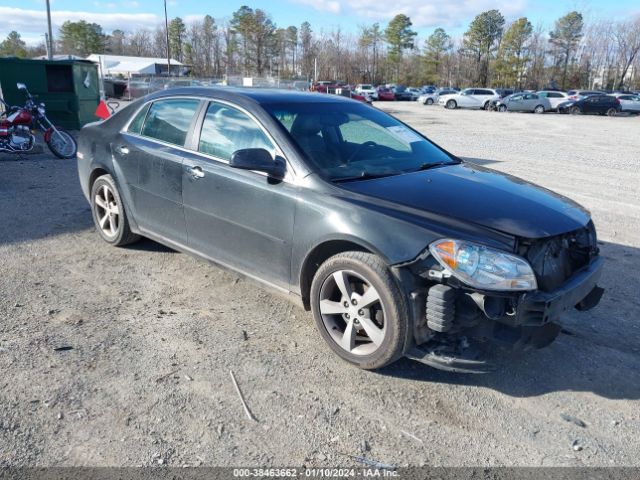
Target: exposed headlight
x,y
483,267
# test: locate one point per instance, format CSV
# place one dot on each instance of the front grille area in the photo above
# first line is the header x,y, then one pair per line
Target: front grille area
x,y
556,259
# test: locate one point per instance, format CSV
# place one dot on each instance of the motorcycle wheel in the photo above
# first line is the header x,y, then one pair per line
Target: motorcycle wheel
x,y
62,144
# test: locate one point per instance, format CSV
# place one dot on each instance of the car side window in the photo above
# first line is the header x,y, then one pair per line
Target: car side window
x,y
136,124
226,129
169,120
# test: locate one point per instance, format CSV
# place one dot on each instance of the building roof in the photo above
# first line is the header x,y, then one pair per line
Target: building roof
x,y
125,64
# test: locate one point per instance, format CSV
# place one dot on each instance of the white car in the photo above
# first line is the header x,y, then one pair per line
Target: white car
x,y
555,98
368,90
628,101
478,98
431,98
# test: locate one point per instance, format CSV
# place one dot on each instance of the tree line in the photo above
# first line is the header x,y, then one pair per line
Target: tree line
x,y
492,52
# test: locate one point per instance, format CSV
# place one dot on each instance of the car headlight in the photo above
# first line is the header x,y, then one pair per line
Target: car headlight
x,y
483,267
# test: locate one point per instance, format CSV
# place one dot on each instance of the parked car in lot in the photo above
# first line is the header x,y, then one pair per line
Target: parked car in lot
x,y
555,97
523,102
396,246
402,93
386,94
628,102
580,94
600,104
431,98
478,98
367,89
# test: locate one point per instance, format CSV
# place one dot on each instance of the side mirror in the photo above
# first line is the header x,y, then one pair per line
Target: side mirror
x,y
260,160
21,86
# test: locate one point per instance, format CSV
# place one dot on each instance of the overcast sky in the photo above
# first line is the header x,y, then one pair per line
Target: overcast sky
x,y
28,17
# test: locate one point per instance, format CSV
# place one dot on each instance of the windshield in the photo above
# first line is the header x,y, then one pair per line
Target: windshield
x,y
351,141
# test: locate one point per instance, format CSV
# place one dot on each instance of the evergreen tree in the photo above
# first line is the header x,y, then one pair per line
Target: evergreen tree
x,y
482,40
400,37
13,46
81,38
513,54
565,38
436,47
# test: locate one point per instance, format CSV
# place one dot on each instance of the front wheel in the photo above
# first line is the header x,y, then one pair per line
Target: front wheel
x,y
539,109
612,112
575,111
429,101
502,108
359,309
62,144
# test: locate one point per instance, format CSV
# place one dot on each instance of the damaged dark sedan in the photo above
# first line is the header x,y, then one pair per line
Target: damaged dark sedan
x,y
397,247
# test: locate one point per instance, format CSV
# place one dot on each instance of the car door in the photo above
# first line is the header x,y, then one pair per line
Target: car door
x,y
153,159
515,103
590,104
239,218
529,102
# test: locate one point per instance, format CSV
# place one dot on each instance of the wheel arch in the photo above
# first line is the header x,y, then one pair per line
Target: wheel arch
x,y
323,251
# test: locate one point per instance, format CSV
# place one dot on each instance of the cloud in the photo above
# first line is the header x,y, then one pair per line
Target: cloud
x,y
331,6
423,13
32,24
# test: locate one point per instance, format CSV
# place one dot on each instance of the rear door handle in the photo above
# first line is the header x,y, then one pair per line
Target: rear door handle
x,y
122,150
195,172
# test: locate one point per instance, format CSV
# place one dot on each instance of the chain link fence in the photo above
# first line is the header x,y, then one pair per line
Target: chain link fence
x,y
139,86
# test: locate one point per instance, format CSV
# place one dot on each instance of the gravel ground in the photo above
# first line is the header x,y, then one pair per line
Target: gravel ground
x,y
121,357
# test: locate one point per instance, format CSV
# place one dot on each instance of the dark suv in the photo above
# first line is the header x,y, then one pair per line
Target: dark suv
x,y
600,104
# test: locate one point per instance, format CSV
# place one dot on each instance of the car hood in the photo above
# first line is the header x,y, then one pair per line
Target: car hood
x,y
475,194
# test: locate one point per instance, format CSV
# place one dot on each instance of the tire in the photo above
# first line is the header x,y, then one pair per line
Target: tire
x,y
502,108
538,109
62,144
429,101
111,223
612,112
378,330
575,111
451,104
486,106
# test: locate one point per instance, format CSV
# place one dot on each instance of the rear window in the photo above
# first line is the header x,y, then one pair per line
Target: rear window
x,y
169,120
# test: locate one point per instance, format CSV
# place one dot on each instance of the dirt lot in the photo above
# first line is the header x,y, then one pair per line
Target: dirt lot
x,y
148,336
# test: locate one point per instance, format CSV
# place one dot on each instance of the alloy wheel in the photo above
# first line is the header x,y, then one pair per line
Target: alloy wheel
x,y
352,312
107,211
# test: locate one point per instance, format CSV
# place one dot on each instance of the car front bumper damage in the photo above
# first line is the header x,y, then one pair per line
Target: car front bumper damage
x,y
454,324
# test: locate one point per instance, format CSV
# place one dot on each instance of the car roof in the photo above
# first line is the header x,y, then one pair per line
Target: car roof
x,y
258,95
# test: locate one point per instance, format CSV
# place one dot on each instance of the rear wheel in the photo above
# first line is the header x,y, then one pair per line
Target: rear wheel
x,y
359,309
451,104
109,215
429,101
538,109
487,106
612,112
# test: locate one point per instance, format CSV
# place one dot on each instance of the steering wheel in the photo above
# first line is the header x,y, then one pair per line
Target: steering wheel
x,y
358,150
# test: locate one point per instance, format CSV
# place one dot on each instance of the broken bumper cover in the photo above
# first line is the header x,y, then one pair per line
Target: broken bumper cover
x,y
580,291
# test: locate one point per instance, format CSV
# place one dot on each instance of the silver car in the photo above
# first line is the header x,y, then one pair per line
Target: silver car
x,y
629,102
431,98
524,102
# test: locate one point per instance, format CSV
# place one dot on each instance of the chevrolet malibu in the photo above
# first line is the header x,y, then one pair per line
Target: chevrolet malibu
x,y
397,247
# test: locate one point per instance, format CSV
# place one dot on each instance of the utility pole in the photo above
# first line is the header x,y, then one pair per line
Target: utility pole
x,y
49,36
166,28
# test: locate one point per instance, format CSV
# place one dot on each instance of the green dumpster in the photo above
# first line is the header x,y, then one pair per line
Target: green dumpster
x,y
69,88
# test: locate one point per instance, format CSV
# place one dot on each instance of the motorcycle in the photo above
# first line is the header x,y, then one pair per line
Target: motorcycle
x,y
16,130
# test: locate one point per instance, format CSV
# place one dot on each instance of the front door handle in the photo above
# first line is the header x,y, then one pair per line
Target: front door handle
x,y
122,150
195,172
